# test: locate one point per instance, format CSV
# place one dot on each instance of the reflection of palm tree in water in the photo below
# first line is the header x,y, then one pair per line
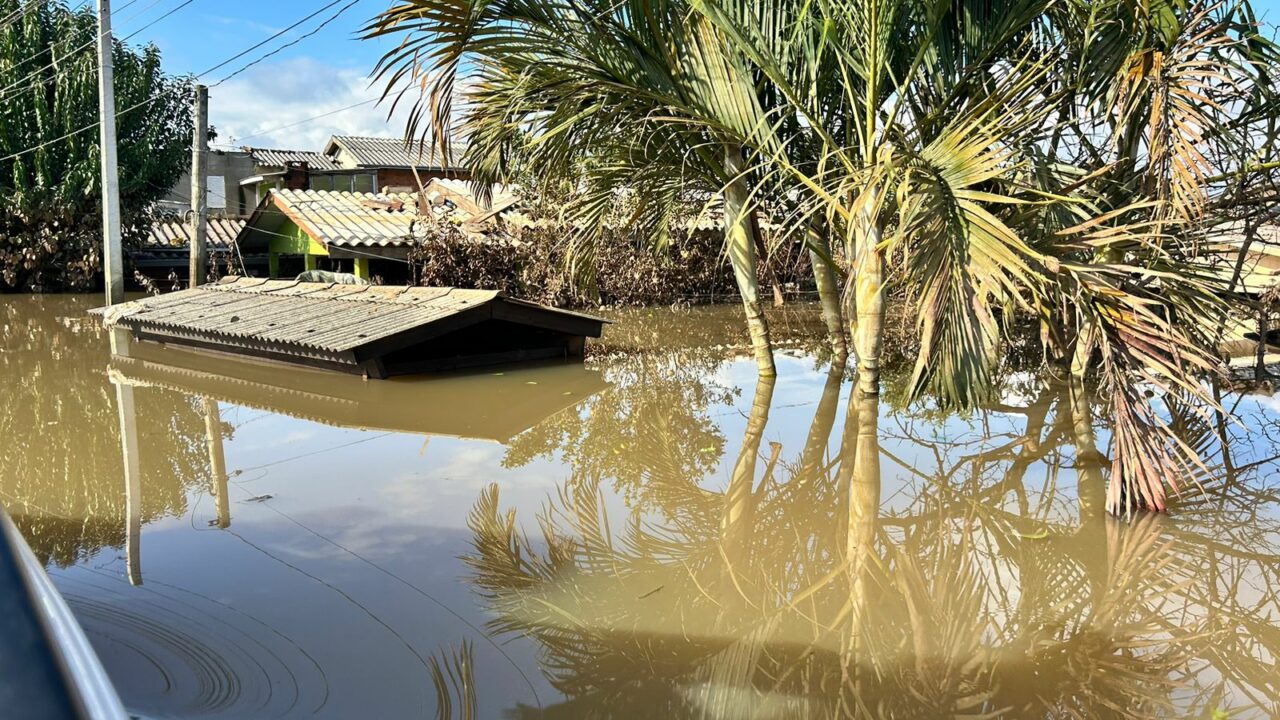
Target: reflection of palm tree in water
x,y
791,595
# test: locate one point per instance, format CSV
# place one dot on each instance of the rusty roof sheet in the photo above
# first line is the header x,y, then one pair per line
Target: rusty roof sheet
x,y
271,157
175,232
382,152
345,219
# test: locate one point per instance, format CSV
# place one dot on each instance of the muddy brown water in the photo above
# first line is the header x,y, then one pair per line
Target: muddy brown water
x,y
651,534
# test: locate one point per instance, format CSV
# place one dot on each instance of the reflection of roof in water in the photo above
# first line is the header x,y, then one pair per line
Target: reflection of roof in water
x,y
486,406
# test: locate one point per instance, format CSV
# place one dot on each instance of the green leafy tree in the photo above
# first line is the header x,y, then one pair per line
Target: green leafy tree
x,y
50,177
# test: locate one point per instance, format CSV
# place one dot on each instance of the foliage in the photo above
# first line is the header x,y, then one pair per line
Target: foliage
x,y
1062,162
50,199
689,270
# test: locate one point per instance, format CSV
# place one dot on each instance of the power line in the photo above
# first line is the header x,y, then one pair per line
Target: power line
x,y
295,41
305,121
19,12
197,77
246,51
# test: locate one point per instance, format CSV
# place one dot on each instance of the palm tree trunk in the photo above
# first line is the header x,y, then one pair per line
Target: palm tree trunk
x,y
869,305
737,521
824,277
740,237
860,481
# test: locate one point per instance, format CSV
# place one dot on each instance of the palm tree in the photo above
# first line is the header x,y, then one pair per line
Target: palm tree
x,y
651,95
1028,158
989,163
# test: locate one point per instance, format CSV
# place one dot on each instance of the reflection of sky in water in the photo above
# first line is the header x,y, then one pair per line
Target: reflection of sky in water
x,y
347,578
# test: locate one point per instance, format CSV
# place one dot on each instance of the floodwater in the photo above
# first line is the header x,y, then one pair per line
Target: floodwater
x,y
651,535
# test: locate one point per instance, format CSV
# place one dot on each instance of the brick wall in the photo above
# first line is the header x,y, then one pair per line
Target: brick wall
x,y
404,178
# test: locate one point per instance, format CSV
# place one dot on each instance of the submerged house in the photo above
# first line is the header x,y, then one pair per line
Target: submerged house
x,y
168,245
370,330
240,183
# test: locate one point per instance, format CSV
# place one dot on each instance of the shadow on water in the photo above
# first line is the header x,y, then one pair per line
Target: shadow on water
x,y
709,545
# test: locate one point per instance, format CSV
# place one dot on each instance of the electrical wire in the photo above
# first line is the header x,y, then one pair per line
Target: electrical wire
x,y
290,44
19,12
197,77
248,50
305,121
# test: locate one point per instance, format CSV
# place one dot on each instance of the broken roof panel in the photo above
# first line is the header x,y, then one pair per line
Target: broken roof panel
x,y
345,219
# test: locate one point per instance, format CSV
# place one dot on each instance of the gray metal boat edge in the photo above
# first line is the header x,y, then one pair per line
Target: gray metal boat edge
x,y
52,668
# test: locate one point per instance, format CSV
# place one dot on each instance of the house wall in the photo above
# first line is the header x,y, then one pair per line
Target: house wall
x,y
231,166
397,178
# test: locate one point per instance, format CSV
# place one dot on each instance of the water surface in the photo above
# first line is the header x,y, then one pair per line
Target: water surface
x,y
653,534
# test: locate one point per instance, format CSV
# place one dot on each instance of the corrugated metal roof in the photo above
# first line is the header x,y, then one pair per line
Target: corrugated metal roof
x,y
336,326
271,157
174,232
344,219
318,316
376,152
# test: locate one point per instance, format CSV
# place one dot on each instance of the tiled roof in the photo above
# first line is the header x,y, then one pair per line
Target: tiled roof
x,y
349,219
269,157
175,232
376,152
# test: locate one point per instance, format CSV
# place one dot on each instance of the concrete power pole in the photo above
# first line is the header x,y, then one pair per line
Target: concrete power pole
x,y
112,253
199,188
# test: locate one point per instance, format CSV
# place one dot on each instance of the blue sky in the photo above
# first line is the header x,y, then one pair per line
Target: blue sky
x,y
319,74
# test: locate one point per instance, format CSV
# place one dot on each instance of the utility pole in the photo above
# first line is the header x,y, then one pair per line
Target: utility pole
x,y
112,253
199,188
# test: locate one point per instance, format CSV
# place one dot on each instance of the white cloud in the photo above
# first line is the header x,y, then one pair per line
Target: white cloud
x,y
254,108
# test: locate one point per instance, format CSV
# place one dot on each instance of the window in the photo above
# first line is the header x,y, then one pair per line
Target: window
x,y
364,183
321,182
216,192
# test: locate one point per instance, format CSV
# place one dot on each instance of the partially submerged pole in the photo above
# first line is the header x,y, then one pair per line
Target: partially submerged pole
x,y
112,251
199,188
217,460
132,471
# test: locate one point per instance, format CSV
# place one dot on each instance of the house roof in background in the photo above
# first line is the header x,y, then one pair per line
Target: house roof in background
x,y
175,232
381,152
271,157
342,219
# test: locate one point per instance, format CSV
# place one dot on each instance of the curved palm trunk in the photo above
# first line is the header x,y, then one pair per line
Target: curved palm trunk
x,y
824,277
868,331
824,418
740,238
737,517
